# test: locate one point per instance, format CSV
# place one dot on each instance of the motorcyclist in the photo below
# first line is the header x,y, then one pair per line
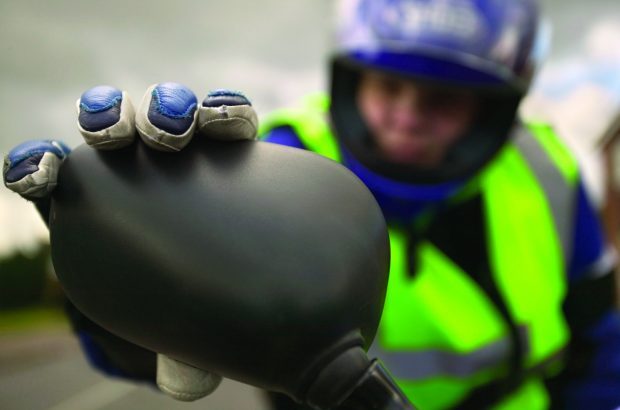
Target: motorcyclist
x,y
423,109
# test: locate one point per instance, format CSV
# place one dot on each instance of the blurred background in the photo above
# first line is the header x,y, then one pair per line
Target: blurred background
x,y
272,50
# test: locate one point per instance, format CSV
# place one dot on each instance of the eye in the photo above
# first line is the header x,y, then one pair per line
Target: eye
x,y
447,100
389,85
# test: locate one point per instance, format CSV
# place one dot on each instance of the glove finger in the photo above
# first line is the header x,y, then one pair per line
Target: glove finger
x,y
228,116
166,118
31,168
106,118
184,382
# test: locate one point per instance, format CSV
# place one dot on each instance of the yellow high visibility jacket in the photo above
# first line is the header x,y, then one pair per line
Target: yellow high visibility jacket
x,y
441,336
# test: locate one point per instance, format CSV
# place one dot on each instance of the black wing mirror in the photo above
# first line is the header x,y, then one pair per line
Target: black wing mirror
x,y
261,263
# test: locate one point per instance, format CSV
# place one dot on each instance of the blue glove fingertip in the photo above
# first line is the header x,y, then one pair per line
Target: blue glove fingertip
x,y
172,108
100,98
219,97
34,147
100,108
24,159
14,172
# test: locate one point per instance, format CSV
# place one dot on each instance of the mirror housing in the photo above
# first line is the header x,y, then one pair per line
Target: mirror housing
x,y
262,263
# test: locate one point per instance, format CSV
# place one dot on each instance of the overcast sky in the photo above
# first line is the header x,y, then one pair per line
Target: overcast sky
x,y
273,50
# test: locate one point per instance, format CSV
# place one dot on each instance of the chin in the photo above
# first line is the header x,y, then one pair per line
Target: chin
x,y
418,159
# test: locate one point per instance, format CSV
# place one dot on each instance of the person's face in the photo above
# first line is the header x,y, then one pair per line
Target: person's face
x,y
411,123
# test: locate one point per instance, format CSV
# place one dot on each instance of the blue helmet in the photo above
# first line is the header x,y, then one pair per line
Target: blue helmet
x,y
467,42
489,46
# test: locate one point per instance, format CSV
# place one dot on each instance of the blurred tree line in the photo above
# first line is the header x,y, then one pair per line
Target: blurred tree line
x,y
27,278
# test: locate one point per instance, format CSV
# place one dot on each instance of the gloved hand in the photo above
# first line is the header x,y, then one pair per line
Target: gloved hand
x,y
166,120
31,168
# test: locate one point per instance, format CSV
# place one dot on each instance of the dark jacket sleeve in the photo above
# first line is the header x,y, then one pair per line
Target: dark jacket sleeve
x,y
591,378
109,353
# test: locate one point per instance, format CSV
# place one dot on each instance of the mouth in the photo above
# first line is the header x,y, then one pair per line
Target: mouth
x,y
412,151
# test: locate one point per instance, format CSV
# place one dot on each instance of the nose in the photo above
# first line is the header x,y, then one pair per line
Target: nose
x,y
409,109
